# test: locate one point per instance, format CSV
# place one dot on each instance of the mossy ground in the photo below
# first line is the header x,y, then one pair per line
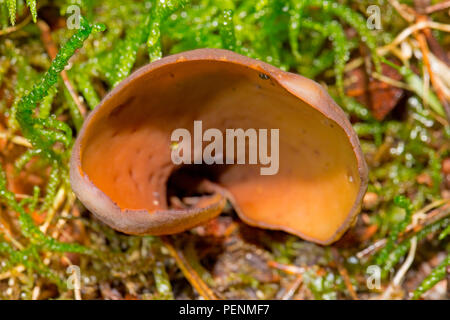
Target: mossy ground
x,y
44,229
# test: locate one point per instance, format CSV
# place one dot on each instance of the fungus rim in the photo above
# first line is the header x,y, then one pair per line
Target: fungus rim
x,y
142,221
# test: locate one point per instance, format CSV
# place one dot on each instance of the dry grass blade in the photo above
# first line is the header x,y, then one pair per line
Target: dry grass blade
x,y
441,212
16,27
52,51
293,287
437,7
426,59
189,272
344,274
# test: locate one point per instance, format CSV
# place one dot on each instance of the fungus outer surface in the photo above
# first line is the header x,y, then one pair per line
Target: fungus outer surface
x,y
121,163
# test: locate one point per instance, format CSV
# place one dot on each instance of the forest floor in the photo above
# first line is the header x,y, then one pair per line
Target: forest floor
x,y
387,63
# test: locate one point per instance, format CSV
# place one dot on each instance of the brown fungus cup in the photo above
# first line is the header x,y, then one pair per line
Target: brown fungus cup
x,y
122,169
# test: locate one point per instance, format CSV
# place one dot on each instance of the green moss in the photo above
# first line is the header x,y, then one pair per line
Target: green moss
x,y
434,277
310,37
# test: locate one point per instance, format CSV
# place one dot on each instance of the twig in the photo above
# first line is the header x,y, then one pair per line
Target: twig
x,y
21,141
374,247
8,274
289,269
6,230
411,15
290,291
59,199
398,278
439,91
64,214
391,81
442,211
344,274
16,27
52,51
190,274
437,7
410,30
404,10
36,292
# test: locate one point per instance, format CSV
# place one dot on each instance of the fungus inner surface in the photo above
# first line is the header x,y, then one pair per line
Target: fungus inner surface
x,y
126,148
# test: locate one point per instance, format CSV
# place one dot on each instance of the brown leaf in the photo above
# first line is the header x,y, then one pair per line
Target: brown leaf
x,y
379,96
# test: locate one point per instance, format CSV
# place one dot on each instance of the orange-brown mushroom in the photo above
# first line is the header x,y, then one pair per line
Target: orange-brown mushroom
x,y
121,162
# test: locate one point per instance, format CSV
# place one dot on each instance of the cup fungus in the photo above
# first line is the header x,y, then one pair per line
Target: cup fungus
x,y
121,164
